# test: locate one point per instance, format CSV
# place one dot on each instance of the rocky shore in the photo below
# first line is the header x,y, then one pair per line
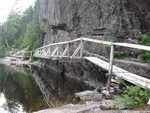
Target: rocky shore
x,y
92,102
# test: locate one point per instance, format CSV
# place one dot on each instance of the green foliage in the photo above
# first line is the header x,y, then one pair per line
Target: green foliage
x,y
121,82
27,54
9,30
2,50
31,38
135,96
145,40
21,30
2,47
119,54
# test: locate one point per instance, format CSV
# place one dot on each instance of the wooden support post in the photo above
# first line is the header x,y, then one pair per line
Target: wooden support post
x,y
81,50
110,68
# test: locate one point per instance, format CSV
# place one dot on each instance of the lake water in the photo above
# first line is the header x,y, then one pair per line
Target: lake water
x,y
26,90
19,93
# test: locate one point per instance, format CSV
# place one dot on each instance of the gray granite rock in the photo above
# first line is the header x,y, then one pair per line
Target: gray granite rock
x,y
89,96
67,19
117,103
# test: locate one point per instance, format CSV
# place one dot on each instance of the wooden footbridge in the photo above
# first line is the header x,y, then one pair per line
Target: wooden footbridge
x,y
76,49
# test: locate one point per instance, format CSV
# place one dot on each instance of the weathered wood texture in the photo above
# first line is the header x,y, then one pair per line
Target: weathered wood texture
x,y
130,77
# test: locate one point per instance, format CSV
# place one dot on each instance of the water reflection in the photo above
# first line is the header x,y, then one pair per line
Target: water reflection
x,y
57,88
4,107
32,88
19,93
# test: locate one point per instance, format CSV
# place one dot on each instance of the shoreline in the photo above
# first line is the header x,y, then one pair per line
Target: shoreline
x,y
14,61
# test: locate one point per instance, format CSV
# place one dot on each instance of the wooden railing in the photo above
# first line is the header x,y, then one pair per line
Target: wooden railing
x,y
64,49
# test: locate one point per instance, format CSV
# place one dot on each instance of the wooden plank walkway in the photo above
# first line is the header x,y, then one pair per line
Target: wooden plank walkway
x,y
130,77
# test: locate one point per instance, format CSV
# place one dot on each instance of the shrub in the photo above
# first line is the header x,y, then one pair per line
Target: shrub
x,y
144,39
135,96
119,54
27,54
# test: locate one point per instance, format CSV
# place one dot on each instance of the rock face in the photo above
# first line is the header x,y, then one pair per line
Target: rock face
x,y
67,19
59,80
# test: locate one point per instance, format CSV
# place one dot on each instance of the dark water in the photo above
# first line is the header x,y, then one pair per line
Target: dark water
x,y
19,93
29,89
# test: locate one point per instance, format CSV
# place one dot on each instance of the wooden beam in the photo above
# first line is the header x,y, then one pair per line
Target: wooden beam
x,y
97,41
77,50
61,43
54,52
65,51
110,67
49,51
135,46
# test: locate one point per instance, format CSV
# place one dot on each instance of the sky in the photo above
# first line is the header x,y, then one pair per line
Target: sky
x,y
7,5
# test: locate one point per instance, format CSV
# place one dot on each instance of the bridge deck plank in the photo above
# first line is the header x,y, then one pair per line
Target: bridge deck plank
x,y
130,77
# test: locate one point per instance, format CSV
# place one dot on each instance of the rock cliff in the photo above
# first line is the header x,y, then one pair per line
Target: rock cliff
x,y
67,19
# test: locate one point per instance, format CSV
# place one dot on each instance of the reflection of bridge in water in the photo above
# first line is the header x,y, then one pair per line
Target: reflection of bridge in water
x,y
75,49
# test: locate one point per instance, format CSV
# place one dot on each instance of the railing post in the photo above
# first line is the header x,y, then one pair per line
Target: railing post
x,y
82,47
110,68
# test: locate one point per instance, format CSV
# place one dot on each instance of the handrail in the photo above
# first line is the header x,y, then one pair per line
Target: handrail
x,y
79,51
60,43
98,41
134,46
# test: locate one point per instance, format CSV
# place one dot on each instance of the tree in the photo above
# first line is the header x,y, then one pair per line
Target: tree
x,y
10,29
21,30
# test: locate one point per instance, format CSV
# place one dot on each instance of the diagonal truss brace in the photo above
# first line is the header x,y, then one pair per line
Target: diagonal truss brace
x,y
65,51
77,50
55,51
